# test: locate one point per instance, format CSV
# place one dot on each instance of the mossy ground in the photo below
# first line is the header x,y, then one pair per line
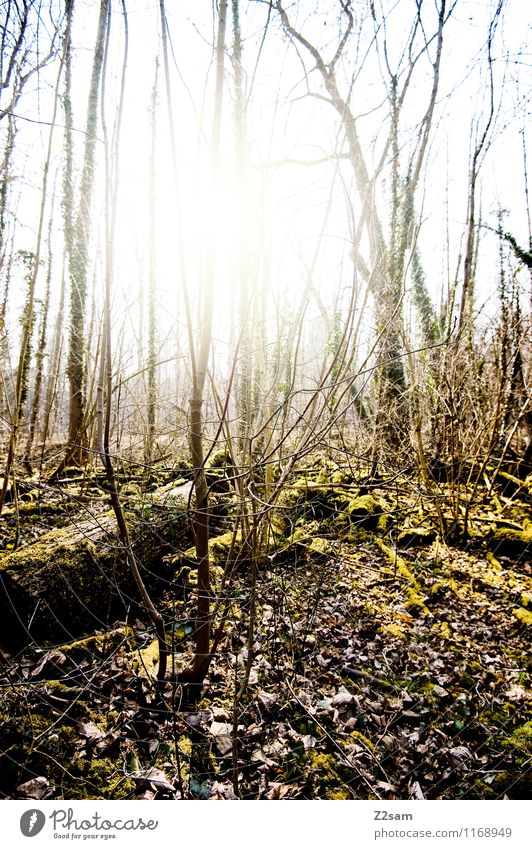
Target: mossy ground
x,y
383,656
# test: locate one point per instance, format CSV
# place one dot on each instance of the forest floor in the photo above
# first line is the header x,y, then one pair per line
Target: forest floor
x,y
386,663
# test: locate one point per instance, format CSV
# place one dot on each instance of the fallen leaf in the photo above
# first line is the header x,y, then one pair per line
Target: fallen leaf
x,y
201,791
342,697
279,791
222,731
195,720
267,700
518,693
415,791
155,777
49,663
35,788
260,756
221,791
460,754
308,741
91,731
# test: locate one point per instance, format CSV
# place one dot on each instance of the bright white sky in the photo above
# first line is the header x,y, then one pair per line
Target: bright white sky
x,y
287,201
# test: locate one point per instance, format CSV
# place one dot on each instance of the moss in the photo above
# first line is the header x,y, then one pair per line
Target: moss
x,y
173,497
526,599
394,630
317,773
499,716
74,580
357,536
131,490
383,522
362,508
219,547
398,564
185,746
219,460
509,785
482,790
35,744
276,526
443,629
325,767
492,561
102,645
461,591
97,778
27,508
305,531
340,793
313,499
512,541
148,660
339,477
415,604
520,740
524,616
315,546
357,735
319,545
490,577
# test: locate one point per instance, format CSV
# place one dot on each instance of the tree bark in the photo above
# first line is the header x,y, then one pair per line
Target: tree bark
x,y
78,257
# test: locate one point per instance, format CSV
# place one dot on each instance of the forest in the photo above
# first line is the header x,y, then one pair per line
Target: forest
x,y
265,400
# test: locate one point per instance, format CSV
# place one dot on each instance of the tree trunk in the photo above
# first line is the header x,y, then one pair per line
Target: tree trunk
x,y
152,324
40,355
78,236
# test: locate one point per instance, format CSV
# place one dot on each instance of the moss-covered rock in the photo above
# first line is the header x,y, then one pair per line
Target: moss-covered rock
x,y
415,604
219,548
412,537
369,512
362,508
307,542
306,499
219,460
513,542
100,645
72,580
63,584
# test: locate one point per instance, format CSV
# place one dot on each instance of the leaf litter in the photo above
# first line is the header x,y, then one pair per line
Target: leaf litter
x,y
365,682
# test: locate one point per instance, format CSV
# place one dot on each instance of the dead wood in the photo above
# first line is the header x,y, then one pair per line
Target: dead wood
x,y
74,580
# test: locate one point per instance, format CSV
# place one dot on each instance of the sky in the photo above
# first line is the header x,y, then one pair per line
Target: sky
x,y
297,211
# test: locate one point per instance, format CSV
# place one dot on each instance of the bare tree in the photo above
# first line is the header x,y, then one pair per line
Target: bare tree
x,y
152,321
384,268
21,49
466,301
77,235
33,262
